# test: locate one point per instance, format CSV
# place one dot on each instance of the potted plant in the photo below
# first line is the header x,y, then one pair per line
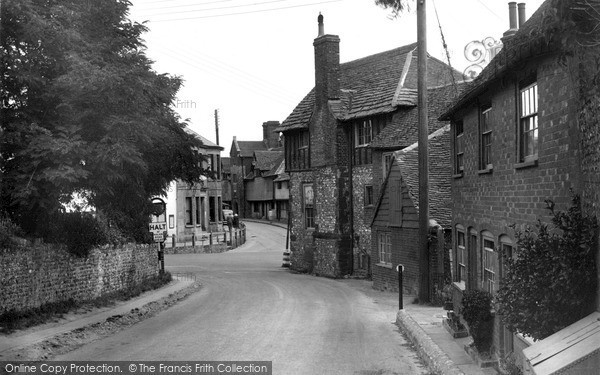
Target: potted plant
x,y
454,326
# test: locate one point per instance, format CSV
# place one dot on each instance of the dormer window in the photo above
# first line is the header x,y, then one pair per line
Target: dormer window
x,y
364,131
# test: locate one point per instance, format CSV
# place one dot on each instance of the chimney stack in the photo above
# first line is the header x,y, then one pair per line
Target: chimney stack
x,y
522,17
512,17
327,66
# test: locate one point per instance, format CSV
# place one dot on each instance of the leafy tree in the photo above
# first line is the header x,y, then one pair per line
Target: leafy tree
x,y
83,111
550,282
397,6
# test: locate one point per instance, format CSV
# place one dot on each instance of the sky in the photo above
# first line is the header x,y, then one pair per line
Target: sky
x,y
253,60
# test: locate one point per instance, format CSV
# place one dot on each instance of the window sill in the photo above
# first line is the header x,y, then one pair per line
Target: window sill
x,y
458,175
384,265
459,285
527,164
487,170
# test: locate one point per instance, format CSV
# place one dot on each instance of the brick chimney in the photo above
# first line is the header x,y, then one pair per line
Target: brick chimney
x,y
327,66
270,137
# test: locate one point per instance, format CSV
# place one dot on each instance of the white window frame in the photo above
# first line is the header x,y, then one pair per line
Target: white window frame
x,y
488,262
384,244
528,123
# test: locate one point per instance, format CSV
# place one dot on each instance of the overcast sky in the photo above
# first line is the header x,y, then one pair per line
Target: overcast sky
x,y
253,60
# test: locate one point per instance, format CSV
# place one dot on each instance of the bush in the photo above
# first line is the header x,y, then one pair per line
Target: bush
x,y
551,280
8,232
477,312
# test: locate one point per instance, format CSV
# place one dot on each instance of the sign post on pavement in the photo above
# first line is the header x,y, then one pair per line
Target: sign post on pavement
x,y
158,229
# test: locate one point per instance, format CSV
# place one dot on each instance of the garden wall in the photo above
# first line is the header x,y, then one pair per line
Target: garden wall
x,y
32,277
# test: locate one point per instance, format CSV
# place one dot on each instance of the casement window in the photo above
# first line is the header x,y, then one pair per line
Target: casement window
x,y
309,206
459,148
297,150
489,260
528,123
368,195
364,131
189,220
485,138
384,243
461,256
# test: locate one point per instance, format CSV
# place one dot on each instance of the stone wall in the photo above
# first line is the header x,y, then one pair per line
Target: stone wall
x,y
39,275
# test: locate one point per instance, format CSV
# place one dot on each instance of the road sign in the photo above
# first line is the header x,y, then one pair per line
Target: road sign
x,y
158,227
158,237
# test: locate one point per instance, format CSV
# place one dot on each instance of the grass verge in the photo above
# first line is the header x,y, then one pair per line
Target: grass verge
x,y
14,320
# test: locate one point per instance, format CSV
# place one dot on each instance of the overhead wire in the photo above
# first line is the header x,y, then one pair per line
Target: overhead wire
x,y
217,8
445,46
239,13
230,70
250,87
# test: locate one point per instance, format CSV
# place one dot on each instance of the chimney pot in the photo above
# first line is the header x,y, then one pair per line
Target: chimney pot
x,y
321,26
522,16
512,14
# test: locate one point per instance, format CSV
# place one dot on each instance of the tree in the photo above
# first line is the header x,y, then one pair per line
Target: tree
x,y
397,6
550,282
83,111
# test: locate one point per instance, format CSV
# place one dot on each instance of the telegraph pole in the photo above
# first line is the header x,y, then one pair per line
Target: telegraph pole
x,y
423,153
216,123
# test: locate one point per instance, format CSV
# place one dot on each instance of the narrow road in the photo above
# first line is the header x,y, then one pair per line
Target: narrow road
x,y
250,308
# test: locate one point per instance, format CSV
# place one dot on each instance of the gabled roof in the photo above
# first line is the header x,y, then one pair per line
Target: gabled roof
x,y
205,142
370,85
267,160
247,148
403,131
439,174
535,38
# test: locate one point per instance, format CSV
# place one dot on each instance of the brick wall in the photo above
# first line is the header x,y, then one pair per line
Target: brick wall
x,y
39,275
512,193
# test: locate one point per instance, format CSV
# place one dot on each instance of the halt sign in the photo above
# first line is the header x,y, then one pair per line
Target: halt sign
x,y
158,227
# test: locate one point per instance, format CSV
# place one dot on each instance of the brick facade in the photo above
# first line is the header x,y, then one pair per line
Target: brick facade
x,y
36,276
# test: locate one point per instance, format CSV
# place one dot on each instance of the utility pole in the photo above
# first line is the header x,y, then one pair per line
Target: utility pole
x,y
217,125
423,153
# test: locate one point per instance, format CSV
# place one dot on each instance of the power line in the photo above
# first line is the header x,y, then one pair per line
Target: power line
x,y
217,8
181,6
490,10
248,12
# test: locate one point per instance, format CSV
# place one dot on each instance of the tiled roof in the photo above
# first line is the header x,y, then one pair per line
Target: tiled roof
x,y
531,40
278,168
439,174
403,131
247,148
266,160
205,142
368,86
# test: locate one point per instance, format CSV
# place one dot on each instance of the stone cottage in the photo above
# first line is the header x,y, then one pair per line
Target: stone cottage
x,y
328,155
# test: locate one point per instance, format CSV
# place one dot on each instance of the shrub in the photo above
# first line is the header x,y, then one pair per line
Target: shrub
x,y
551,281
477,312
8,232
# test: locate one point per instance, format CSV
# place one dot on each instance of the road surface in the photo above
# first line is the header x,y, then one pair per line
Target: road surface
x,y
250,308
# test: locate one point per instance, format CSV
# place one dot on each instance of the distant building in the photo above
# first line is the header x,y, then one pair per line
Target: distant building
x,y
196,209
241,157
260,185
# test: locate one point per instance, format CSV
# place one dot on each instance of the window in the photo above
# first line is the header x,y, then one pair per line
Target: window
x,y
368,195
212,209
461,257
528,123
171,221
485,129
459,148
384,242
364,131
188,211
489,258
198,212
309,202
297,150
